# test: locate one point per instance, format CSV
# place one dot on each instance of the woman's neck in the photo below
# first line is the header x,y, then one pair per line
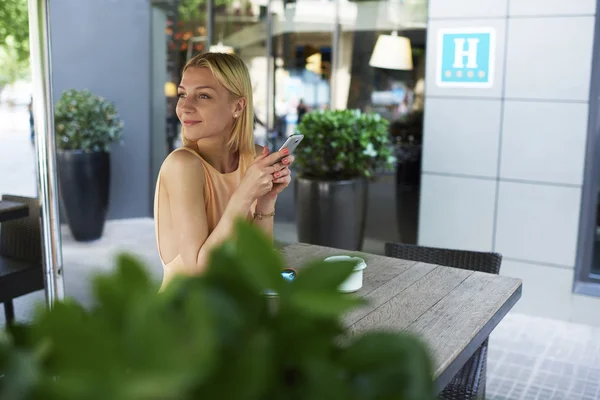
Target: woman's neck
x,y
217,153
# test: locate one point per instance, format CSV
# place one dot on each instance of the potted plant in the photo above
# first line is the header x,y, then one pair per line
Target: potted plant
x,y
341,150
216,336
86,125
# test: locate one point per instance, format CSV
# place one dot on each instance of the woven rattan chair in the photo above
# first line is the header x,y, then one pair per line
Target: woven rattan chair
x,y
21,270
469,382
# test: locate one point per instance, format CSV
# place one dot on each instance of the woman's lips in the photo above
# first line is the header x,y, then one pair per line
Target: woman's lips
x,y
190,123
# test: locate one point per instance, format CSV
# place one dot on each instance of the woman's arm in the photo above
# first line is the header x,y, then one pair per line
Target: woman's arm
x,y
266,207
183,175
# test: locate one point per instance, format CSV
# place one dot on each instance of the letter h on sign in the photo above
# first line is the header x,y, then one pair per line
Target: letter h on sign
x,y
466,57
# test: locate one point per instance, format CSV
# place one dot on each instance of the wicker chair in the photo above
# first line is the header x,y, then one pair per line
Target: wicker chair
x,y
21,270
469,382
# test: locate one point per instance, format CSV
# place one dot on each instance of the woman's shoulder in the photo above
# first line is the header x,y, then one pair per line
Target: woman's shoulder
x,y
182,162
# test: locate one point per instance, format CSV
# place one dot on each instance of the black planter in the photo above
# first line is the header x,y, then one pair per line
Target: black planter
x,y
331,213
408,190
84,180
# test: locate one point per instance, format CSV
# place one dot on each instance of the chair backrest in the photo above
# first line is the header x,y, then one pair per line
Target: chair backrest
x,y
21,238
462,259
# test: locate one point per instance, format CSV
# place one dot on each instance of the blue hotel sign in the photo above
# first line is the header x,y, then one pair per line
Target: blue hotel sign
x,y
466,57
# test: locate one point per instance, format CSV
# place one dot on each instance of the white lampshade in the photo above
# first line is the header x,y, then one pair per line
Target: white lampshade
x,y
392,52
221,48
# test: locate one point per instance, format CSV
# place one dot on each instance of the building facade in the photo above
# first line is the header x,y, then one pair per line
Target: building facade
x,y
511,165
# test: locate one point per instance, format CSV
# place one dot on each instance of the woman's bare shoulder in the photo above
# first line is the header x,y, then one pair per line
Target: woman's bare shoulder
x,y
182,164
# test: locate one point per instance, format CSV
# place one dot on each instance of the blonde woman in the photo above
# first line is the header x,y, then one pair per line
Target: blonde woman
x,y
219,174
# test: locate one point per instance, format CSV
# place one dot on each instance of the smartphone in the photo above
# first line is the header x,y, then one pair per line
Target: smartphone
x,y
291,143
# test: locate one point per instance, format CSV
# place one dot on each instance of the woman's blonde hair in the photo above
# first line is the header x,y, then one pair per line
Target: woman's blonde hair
x,y
231,72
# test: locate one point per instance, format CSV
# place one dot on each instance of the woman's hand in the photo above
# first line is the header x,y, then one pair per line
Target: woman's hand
x,y
281,177
264,175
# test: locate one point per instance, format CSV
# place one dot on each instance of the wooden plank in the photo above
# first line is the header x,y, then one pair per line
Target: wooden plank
x,y
388,290
298,254
407,306
451,325
379,271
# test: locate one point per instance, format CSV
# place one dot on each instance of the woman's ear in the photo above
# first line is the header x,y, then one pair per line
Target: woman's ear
x,y
240,105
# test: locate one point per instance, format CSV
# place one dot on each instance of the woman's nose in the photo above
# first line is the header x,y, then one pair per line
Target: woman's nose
x,y
186,105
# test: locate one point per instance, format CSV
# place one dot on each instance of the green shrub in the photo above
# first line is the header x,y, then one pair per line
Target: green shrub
x,y
343,144
86,122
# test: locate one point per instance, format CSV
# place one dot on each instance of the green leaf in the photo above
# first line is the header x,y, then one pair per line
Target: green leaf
x,y
248,373
183,352
69,330
324,380
229,285
116,293
320,275
211,336
261,263
21,372
324,303
389,365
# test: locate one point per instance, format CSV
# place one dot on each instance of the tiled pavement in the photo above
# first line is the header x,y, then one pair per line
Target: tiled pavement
x,y
537,358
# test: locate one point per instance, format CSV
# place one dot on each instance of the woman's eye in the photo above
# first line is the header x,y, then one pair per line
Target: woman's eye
x,y
181,95
204,96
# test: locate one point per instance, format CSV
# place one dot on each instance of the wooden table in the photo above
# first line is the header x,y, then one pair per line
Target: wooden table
x,y
12,210
452,310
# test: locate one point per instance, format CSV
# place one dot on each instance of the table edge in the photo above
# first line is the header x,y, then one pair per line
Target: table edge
x,y
443,379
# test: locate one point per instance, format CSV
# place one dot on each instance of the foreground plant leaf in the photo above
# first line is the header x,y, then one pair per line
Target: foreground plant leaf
x,y
215,336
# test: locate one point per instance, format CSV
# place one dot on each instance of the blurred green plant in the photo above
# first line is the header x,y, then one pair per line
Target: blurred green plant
x,y
343,144
12,68
14,27
215,336
195,10
86,122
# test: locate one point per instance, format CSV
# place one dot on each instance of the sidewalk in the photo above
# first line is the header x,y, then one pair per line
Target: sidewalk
x,y
17,153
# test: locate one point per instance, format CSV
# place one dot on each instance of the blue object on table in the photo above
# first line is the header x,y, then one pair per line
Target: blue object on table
x,y
288,275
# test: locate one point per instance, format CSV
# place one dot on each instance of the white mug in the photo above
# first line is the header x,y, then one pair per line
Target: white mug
x,y
355,280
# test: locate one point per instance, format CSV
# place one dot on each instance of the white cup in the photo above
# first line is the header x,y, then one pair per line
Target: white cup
x,y
355,280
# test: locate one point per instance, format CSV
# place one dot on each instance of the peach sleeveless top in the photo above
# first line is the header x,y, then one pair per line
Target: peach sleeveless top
x,y
218,189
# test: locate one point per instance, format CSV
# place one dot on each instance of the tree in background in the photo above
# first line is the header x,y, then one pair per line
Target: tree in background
x,y
14,41
14,22
12,68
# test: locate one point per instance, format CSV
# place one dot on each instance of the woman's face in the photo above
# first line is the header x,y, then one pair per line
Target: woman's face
x,y
205,108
